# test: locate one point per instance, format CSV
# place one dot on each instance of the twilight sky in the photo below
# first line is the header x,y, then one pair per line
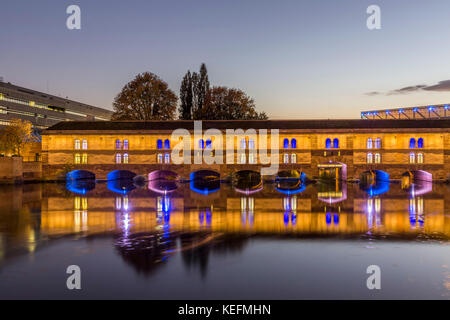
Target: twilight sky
x,y
297,59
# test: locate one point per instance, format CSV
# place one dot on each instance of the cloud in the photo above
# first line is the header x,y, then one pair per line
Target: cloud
x,y
441,86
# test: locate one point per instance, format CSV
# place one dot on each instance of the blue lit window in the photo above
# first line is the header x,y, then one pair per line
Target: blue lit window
x,y
208,144
420,143
167,144
369,143
336,143
412,143
118,144
293,144
328,143
201,144
125,144
286,143
159,144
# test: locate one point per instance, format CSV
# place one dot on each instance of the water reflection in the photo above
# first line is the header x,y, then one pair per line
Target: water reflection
x,y
149,227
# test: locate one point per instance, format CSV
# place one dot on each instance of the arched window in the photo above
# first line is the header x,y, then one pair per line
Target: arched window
x,y
328,143
208,144
118,158
84,146
294,158
77,144
420,143
369,143
286,158
201,144
243,144
377,158
412,143
377,143
167,158
420,158
84,158
125,157
336,143
412,157
125,144
286,143
369,158
159,144
160,158
167,144
118,144
293,144
77,159
251,144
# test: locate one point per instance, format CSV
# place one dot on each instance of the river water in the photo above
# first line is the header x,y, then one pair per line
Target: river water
x,y
137,243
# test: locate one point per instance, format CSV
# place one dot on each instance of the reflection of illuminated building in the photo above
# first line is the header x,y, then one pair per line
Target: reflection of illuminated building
x,y
80,213
373,212
247,210
416,212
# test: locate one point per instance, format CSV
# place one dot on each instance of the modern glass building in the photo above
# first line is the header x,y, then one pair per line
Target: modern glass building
x,y
43,110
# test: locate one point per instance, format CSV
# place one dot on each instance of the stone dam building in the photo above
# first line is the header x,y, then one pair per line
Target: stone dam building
x,y
344,149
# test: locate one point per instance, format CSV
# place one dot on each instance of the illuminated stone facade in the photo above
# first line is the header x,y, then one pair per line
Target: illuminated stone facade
x,y
393,146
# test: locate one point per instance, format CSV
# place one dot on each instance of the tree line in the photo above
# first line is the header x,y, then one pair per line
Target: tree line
x,y
148,97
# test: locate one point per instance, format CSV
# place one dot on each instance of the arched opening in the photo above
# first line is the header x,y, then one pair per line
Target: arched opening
x,y
120,175
247,180
163,181
369,143
328,143
286,143
159,144
374,182
417,182
80,175
290,181
412,143
205,181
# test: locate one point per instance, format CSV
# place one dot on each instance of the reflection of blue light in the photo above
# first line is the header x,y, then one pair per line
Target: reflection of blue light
x,y
122,186
301,188
446,107
286,218
430,108
80,186
416,109
201,217
400,111
380,186
335,218
328,218
250,218
294,219
208,216
204,191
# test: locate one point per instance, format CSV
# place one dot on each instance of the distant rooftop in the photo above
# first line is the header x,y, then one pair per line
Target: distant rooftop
x,y
247,124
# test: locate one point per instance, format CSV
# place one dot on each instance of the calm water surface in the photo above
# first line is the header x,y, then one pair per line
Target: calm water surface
x,y
134,242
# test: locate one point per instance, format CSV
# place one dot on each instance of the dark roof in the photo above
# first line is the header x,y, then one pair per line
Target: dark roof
x,y
246,124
